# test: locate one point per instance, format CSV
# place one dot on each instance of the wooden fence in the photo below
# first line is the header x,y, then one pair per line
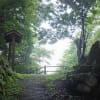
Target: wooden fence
x,y
44,69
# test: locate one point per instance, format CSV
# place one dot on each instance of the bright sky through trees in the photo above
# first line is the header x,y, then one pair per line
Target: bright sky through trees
x,y
58,49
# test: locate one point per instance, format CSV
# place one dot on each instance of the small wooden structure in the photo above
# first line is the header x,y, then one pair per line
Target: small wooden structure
x,y
12,38
44,69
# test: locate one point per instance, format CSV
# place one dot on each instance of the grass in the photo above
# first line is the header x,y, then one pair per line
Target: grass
x,y
55,76
13,86
23,76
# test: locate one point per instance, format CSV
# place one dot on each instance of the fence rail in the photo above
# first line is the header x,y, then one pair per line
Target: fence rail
x,y
43,70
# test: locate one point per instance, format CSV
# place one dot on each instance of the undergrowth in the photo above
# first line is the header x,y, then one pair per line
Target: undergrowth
x,y
52,78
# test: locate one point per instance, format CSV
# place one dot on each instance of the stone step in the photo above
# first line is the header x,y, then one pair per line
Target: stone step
x,y
33,89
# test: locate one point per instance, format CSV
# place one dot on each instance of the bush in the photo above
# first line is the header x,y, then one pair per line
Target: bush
x,y
5,73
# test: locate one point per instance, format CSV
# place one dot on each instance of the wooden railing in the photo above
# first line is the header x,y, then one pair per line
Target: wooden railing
x,y
43,70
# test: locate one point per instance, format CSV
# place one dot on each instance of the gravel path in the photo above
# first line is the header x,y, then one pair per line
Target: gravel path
x,y
33,88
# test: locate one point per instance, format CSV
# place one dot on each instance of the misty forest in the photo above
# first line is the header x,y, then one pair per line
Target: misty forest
x,y
26,27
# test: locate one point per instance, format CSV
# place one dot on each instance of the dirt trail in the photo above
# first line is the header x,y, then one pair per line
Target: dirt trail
x,y
33,88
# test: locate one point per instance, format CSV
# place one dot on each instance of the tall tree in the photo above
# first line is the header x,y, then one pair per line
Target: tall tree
x,y
19,15
63,16
92,24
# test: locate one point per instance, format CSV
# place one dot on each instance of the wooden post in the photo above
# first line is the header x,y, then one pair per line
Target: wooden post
x,y
9,53
45,70
13,52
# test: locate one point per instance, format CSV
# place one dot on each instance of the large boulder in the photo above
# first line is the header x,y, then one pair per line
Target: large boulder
x,y
85,79
94,55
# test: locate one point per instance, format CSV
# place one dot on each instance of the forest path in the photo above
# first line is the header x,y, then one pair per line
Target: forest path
x,y
33,88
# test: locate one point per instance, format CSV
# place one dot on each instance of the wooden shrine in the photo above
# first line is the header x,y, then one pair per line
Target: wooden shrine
x,y
12,38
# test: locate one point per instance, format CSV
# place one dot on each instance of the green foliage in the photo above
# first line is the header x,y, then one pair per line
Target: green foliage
x,y
29,64
93,26
39,53
5,75
23,76
13,88
27,69
93,33
94,37
70,57
62,16
19,15
55,76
